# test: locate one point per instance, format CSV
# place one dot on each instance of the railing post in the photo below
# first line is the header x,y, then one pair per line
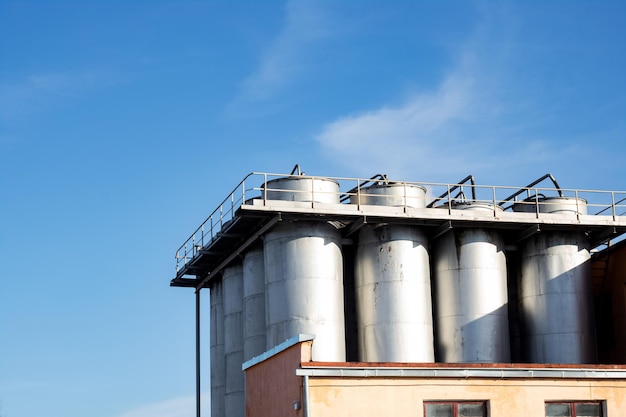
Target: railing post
x,y
265,189
613,204
405,196
537,210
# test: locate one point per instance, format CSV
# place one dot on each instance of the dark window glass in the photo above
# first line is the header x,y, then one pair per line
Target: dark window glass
x,y
439,410
471,410
574,409
455,409
588,410
558,410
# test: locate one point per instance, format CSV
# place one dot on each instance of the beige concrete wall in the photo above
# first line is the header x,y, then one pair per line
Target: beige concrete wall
x,y
404,397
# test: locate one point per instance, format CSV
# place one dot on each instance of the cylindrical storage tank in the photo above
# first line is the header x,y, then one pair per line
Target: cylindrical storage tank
x,y
234,403
555,297
304,287
392,283
470,294
554,205
218,368
392,195
253,303
303,189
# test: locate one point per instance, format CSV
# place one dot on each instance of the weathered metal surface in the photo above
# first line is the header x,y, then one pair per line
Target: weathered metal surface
x,y
302,188
555,292
392,195
554,205
253,303
234,404
392,282
218,368
555,298
393,297
470,295
304,286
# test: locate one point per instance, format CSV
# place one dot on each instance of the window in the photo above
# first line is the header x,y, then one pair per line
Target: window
x,y
455,409
574,409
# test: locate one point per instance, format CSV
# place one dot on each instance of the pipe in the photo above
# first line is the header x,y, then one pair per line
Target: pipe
x,y
378,177
460,184
532,184
198,352
306,396
296,169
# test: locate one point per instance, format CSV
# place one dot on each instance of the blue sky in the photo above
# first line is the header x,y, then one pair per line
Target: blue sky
x,y
123,124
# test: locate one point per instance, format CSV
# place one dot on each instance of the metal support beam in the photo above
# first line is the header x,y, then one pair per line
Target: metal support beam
x,y
527,233
603,236
442,229
239,250
356,225
198,353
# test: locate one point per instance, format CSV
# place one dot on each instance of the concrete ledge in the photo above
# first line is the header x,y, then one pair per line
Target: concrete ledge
x,y
461,372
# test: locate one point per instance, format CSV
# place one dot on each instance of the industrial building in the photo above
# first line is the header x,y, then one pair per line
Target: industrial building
x,y
368,297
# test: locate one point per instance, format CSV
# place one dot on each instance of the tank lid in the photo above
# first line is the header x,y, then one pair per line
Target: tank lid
x,y
470,205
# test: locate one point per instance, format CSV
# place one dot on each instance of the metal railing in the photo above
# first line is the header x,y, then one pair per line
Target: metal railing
x,y
254,187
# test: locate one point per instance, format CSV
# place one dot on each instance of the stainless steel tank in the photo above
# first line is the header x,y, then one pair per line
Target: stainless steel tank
x,y
392,195
555,297
392,283
234,403
218,368
302,188
470,293
304,273
253,303
554,205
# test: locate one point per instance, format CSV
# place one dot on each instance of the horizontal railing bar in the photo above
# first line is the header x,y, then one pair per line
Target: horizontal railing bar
x,y
244,191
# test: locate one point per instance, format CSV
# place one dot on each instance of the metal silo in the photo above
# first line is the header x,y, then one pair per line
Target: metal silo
x,y
253,303
391,194
234,404
555,298
392,282
302,188
470,293
304,272
218,368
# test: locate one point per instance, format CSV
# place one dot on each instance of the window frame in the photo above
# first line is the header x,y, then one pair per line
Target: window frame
x,y
455,405
573,403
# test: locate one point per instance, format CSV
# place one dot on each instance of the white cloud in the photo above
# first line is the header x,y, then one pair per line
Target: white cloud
x,y
37,92
416,135
458,127
282,61
175,407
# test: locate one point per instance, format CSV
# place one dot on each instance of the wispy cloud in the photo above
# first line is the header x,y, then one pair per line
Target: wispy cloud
x,y
284,59
454,127
38,92
175,407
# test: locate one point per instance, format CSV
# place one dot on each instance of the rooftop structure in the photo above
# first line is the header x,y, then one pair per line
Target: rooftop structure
x,y
397,272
